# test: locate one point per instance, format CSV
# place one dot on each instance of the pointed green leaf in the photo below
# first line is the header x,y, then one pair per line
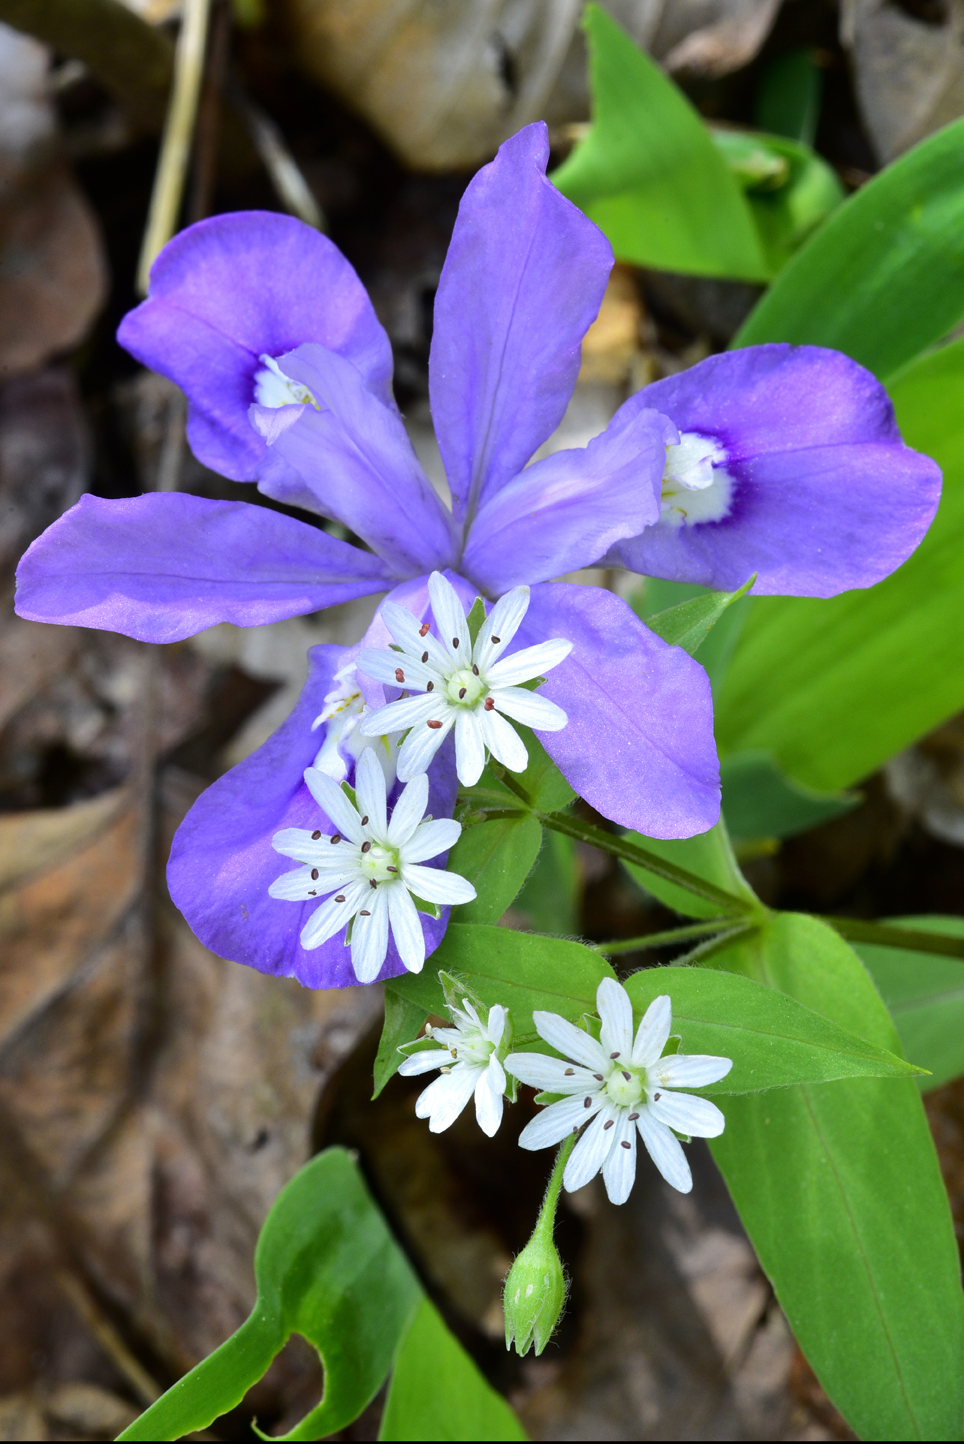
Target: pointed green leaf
x,y
839,1189
522,971
884,277
438,1393
772,1039
688,624
326,1268
656,597
403,1021
833,688
496,857
925,997
649,175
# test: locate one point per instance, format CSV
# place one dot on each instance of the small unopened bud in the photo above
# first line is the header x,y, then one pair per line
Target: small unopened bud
x,y
535,1293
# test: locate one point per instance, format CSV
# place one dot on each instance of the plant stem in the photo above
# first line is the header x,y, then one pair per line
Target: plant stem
x,y
546,1221
631,852
885,935
672,935
178,135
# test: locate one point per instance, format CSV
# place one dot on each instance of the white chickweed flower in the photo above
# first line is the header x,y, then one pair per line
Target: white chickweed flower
x,y
343,743
470,688
469,1060
615,1084
371,865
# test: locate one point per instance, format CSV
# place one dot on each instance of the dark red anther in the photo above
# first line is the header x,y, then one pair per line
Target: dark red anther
x,y
569,1072
587,1103
461,693
656,1097
489,704
423,629
312,892
455,641
434,725
336,837
615,1055
633,1117
340,897
366,847
608,1124
430,687
624,1144
364,821
314,874
497,640
364,913
316,834
475,669
399,675
392,869
424,656
372,883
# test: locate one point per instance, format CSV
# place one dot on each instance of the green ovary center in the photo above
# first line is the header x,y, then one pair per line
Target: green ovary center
x,y
624,1087
381,863
465,687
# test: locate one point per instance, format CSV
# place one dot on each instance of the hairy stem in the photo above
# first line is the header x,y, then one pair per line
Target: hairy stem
x,y
672,935
885,935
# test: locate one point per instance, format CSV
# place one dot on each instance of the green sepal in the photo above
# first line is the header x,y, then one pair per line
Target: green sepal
x,y
475,619
349,792
431,910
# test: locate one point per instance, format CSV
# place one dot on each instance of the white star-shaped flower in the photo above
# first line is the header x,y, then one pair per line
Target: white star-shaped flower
x,y
371,865
469,1060
470,688
618,1086
344,710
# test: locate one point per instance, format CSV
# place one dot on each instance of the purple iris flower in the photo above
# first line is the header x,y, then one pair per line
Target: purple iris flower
x,y
784,461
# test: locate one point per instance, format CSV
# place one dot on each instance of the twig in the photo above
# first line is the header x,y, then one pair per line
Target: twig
x,y
885,935
207,130
107,1336
283,170
178,135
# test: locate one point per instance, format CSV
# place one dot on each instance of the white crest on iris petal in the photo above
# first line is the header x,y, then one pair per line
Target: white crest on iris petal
x,y
617,1087
696,485
370,867
344,743
273,388
468,1056
453,683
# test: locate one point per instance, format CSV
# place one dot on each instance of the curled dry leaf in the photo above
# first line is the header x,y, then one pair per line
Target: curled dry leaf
x,y
909,70
446,81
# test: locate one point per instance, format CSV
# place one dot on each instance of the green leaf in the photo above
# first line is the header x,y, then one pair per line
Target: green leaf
x,y
648,173
715,652
688,624
788,97
925,997
402,1023
326,1268
549,896
772,1040
437,1392
884,277
832,688
785,212
761,801
496,857
709,856
839,1189
523,971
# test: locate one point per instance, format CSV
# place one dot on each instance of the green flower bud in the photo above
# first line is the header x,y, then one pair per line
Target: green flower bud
x,y
535,1293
